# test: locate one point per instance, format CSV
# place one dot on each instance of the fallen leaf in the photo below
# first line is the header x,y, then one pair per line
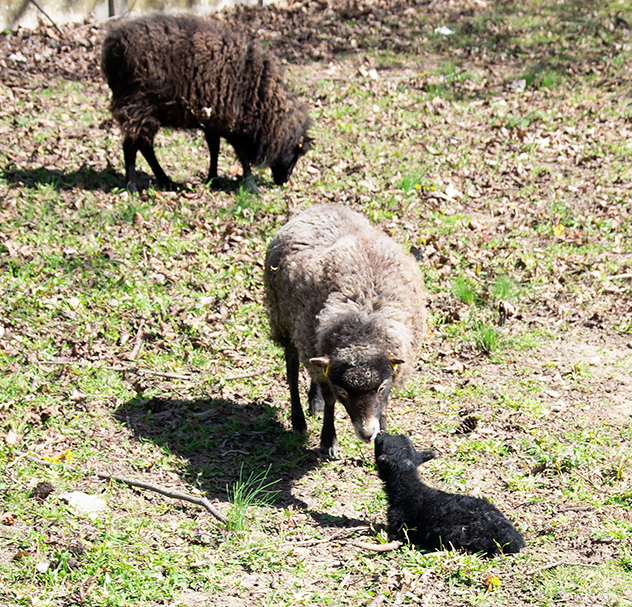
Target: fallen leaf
x,y
85,504
11,438
43,566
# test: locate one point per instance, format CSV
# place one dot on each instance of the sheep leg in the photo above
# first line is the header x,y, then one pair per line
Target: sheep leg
x,y
129,154
328,440
315,398
148,152
383,416
212,140
291,364
247,179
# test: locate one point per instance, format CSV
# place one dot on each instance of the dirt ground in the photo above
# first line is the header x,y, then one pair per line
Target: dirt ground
x,y
579,372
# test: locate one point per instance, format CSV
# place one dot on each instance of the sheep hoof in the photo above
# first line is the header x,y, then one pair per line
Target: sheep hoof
x,y
168,186
248,185
331,451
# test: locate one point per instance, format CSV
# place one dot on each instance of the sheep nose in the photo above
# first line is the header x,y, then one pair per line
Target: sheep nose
x,y
366,431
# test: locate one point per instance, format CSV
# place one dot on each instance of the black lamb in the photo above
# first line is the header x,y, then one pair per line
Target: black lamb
x,y
190,72
435,519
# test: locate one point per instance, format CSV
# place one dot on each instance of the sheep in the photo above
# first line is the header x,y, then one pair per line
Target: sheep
x,y
188,72
347,302
435,519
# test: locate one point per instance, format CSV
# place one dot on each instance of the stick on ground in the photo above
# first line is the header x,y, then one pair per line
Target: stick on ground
x,y
561,563
380,547
177,495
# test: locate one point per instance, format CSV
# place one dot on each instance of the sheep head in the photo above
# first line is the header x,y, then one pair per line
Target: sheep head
x,y
283,166
361,380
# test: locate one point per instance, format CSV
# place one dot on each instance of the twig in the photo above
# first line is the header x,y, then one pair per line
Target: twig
x,y
574,508
379,547
200,501
588,480
10,465
559,564
256,373
331,538
39,8
189,376
165,374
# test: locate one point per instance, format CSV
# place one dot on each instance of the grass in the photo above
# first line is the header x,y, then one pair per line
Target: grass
x,y
248,492
133,333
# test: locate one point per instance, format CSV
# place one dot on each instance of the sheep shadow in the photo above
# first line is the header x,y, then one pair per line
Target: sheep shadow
x,y
85,178
224,442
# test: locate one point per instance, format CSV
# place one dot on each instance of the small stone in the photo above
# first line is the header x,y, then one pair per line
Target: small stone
x,y
42,490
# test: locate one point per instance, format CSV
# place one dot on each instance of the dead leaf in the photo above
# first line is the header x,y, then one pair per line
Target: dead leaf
x,y
49,413
84,504
492,582
43,566
11,438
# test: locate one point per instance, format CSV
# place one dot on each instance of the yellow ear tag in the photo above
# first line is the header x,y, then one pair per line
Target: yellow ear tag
x,y
326,371
394,368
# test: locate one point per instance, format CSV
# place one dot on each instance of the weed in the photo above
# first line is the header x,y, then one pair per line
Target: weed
x,y
246,493
487,338
465,289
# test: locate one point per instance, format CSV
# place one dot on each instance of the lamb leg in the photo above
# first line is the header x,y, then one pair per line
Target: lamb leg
x,y
129,154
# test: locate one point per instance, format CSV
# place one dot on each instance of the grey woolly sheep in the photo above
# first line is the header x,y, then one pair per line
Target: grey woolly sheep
x,y
347,302
435,519
188,72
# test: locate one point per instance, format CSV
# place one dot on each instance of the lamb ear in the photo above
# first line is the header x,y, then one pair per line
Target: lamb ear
x,y
421,457
320,362
384,460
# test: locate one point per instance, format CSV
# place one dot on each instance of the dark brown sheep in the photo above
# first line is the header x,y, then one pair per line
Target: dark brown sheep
x,y
190,72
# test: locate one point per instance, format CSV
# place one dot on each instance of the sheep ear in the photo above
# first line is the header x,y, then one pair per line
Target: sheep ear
x,y
305,143
321,362
395,362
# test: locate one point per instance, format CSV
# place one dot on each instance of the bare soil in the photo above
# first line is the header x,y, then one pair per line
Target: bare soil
x,y
578,373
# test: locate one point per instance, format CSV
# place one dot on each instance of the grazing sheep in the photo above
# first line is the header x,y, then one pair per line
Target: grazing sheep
x,y
435,519
347,302
189,72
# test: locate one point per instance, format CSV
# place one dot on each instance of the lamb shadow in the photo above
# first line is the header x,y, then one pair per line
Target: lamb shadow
x,y
223,442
